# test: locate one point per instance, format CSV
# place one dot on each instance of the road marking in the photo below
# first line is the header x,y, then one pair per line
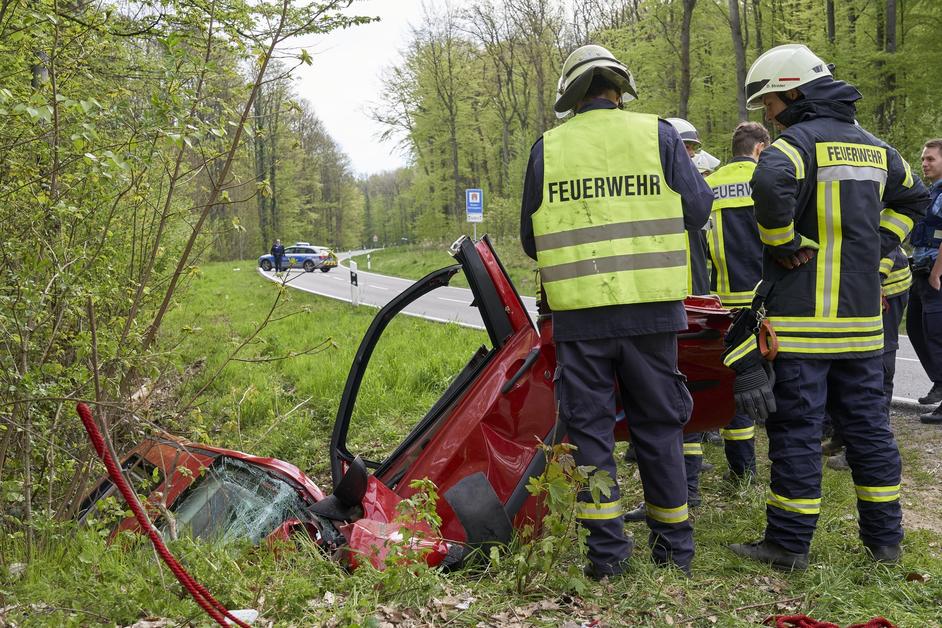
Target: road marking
x,y
371,287
908,359
453,300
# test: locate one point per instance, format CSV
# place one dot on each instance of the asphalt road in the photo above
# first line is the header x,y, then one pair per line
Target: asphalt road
x,y
454,305
447,305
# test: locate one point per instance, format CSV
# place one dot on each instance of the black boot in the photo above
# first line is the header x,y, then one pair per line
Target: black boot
x,y
887,554
933,396
637,514
832,447
772,553
631,456
932,418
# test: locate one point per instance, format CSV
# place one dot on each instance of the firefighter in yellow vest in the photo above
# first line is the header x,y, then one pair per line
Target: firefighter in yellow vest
x,y
606,200
831,201
736,255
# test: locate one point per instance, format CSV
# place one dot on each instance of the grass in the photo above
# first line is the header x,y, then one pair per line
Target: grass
x,y
416,261
76,579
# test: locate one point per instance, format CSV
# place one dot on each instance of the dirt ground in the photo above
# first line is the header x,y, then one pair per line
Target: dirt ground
x,y
921,447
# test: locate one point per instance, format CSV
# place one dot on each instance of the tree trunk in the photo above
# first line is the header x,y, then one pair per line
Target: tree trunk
x,y
829,7
260,172
757,16
885,110
682,109
735,28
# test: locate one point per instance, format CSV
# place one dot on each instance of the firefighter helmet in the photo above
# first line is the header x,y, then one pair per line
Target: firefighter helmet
x,y
686,131
580,66
780,69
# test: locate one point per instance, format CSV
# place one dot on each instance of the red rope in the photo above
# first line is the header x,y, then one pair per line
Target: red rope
x,y
203,597
803,621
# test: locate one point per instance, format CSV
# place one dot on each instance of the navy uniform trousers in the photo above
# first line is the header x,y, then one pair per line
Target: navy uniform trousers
x,y
923,324
657,405
852,390
693,464
891,320
892,317
739,441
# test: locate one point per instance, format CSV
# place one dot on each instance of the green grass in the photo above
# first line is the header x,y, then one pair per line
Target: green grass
x,y
416,261
249,405
75,579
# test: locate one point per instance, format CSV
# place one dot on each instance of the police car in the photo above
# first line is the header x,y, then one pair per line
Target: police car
x,y
302,255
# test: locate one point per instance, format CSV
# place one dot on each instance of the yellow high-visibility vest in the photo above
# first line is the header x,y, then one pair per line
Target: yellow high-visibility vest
x,y
609,231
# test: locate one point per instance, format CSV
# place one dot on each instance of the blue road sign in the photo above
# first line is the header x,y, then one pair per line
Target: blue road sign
x,y
474,203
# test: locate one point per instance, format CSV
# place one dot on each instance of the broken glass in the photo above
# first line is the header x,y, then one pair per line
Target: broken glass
x,y
234,500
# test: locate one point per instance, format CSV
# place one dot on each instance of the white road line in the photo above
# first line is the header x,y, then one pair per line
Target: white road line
x,y
371,287
908,359
461,301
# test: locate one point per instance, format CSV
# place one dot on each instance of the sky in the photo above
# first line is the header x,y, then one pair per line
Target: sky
x,y
346,76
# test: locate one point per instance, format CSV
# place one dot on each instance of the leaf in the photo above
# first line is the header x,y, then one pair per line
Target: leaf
x,y
305,57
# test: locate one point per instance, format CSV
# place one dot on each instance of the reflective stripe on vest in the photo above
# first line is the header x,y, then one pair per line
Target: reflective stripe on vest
x,y
609,231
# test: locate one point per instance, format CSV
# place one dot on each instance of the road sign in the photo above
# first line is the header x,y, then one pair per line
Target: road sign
x,y
474,203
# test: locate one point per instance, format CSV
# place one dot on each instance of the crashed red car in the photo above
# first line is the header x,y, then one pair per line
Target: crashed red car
x,y
479,443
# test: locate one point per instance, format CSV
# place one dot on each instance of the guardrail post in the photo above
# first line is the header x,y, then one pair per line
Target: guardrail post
x,y
354,286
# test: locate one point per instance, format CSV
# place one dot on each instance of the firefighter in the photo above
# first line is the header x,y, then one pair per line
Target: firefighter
x,y
831,200
736,256
607,197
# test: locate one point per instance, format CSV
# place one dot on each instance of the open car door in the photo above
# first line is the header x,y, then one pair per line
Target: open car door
x,y
479,443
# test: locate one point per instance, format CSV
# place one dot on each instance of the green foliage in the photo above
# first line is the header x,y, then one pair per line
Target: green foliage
x,y
539,561
476,86
122,130
275,405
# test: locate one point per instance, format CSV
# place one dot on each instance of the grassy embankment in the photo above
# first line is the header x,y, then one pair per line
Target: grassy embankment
x,y
415,261
76,579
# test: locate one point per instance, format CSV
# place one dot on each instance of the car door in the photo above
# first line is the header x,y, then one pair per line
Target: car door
x,y
291,257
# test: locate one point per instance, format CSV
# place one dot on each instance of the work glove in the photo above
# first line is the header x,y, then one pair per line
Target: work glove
x,y
752,388
753,391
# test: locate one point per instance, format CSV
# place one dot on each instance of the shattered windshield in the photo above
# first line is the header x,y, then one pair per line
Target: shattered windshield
x,y
233,501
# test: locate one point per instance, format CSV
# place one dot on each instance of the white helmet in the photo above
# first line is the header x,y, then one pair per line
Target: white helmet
x,y
686,131
705,162
580,66
780,69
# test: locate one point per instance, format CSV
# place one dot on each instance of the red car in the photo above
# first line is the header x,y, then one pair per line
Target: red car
x,y
479,443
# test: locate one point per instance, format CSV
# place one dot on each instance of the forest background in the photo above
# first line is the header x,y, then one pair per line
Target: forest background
x,y
141,139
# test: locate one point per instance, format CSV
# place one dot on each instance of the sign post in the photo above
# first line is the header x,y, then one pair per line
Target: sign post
x,y
474,204
354,287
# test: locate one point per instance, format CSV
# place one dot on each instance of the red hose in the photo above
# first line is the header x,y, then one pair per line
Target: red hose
x,y
203,597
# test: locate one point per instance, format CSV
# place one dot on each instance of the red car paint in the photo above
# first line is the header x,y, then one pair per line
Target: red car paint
x,y
487,424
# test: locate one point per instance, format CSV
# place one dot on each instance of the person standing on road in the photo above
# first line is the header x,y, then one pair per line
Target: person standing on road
x,y
831,201
924,317
278,252
606,200
736,255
